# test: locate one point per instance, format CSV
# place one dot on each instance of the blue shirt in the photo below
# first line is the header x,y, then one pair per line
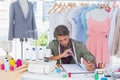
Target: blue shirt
x,y
77,28
83,20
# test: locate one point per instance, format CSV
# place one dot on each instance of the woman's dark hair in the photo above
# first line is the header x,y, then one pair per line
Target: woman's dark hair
x,y
61,30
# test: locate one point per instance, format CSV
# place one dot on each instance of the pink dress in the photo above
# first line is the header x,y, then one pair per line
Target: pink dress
x,y
97,42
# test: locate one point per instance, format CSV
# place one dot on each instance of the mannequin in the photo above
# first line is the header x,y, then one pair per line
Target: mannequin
x,y
97,14
22,21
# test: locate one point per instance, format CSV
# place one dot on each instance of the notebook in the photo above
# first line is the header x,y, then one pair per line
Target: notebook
x,y
75,68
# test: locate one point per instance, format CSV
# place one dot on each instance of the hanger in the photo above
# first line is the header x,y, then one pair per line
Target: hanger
x,y
58,7
62,8
74,5
106,7
84,4
68,6
55,5
71,5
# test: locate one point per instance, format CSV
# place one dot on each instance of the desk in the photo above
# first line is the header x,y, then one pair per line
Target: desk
x,y
58,76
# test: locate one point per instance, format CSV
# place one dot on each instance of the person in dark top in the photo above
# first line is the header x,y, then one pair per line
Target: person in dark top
x,y
68,51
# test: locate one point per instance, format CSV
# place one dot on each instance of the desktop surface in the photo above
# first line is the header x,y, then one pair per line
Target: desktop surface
x,y
59,76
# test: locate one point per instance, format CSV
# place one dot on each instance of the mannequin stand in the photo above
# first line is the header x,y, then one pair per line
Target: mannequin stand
x,y
22,40
21,50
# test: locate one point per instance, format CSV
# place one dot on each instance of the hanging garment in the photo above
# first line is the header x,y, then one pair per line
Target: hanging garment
x,y
77,28
53,22
63,20
116,40
19,26
97,42
56,19
112,29
83,20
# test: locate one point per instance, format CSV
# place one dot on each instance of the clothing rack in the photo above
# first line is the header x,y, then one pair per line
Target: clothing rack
x,y
87,0
61,6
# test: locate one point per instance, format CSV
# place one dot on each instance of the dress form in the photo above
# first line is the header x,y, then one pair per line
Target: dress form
x,y
97,14
24,7
22,23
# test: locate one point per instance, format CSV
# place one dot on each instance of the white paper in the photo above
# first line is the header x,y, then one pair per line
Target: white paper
x,y
75,68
